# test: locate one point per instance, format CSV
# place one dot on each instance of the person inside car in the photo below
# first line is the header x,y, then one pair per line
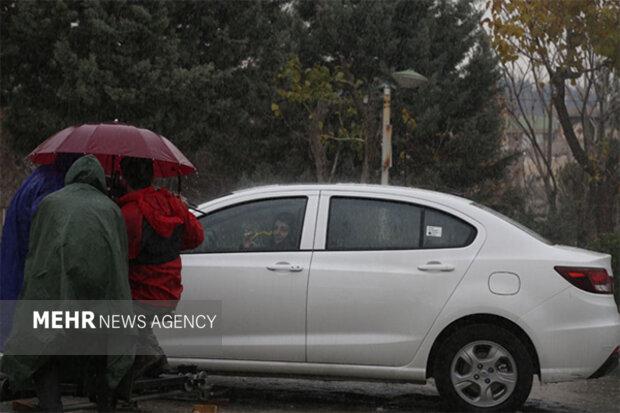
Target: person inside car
x,y
283,233
280,238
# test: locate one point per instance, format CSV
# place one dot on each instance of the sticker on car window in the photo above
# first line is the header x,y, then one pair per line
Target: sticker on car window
x,y
433,231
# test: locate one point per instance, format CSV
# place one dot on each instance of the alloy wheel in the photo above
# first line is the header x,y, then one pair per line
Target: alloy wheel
x,y
483,373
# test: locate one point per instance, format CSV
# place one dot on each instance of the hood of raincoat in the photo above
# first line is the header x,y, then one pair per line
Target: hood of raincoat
x,y
86,170
77,251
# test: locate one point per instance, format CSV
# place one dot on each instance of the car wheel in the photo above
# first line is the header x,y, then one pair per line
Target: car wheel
x,y
483,368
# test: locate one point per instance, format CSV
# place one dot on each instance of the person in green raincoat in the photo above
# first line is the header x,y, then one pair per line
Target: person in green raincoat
x,y
77,251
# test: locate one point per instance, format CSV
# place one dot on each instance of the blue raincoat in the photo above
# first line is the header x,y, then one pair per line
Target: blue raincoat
x,y
15,234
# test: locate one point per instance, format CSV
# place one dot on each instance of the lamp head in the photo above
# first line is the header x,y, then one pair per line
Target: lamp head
x,y
409,79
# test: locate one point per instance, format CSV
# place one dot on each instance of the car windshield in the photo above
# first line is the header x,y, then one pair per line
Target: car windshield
x,y
515,223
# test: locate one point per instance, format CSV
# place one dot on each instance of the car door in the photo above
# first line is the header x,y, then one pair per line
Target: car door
x,y
383,267
261,286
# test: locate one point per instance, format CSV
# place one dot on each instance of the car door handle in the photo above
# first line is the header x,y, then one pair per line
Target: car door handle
x,y
436,266
285,266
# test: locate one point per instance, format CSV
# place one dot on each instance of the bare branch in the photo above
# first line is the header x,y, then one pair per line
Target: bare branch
x,y
527,128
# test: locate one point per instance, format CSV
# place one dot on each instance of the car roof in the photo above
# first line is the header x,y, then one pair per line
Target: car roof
x,y
353,187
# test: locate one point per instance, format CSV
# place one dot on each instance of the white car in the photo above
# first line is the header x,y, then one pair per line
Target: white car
x,y
390,283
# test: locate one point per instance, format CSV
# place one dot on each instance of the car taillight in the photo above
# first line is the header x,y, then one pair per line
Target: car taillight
x,y
594,280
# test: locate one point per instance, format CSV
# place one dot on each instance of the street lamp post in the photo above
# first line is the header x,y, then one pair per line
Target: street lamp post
x,y
407,79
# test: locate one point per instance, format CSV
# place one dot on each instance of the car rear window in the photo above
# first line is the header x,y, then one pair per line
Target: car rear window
x,y
376,224
442,230
370,224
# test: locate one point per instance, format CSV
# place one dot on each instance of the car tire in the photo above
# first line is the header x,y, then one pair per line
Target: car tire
x,y
483,368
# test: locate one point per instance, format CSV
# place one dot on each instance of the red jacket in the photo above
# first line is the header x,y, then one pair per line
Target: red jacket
x,y
159,227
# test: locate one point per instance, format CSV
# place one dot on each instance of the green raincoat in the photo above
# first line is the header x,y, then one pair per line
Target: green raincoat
x,y
77,251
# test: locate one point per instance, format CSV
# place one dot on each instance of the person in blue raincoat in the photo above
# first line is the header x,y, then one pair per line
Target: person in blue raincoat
x,y
16,231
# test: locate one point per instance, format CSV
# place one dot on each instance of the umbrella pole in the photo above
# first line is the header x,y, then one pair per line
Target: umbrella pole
x,y
112,176
114,184
179,184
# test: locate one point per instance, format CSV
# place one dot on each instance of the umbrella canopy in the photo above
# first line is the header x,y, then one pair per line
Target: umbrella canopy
x,y
110,142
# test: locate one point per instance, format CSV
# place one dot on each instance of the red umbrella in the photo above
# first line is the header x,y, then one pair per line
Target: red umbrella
x,y
110,142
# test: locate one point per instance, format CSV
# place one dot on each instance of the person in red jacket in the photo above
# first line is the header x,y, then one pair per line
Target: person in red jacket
x,y
159,226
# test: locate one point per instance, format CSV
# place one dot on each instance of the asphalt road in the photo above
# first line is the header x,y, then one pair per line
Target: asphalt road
x,y
260,395
268,395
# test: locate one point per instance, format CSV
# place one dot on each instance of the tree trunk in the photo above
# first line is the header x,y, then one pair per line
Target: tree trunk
x,y
332,174
366,162
317,147
558,96
604,186
371,145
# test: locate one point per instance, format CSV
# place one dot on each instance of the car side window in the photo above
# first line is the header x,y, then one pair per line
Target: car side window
x,y
371,224
258,226
442,230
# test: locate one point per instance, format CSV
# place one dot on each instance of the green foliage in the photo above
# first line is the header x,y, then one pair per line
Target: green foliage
x,y
457,113
319,85
309,86
446,133
243,86
93,61
327,98
211,75
200,73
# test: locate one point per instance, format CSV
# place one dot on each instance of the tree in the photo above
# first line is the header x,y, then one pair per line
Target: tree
x,y
354,36
447,133
12,173
87,61
204,74
330,109
457,141
28,85
200,73
244,43
576,42
530,110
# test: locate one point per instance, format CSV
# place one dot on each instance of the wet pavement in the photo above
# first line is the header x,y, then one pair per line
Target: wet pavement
x,y
270,395
260,395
